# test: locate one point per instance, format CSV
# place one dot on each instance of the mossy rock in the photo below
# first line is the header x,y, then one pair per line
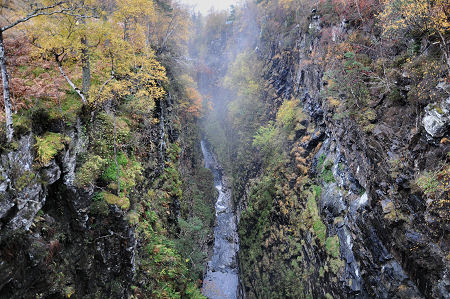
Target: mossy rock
x,y
48,146
336,265
121,202
90,171
332,246
24,180
99,208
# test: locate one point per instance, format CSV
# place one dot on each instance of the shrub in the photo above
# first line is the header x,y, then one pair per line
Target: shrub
x,y
311,216
289,115
122,202
432,183
266,140
48,146
90,171
129,172
332,246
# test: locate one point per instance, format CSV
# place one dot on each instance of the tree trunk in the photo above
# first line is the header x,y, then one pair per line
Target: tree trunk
x,y
77,90
115,155
444,48
126,34
6,91
86,67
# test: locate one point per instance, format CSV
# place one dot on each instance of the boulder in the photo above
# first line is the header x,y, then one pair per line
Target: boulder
x,y
437,118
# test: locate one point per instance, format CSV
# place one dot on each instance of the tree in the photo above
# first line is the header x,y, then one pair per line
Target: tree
x,y
132,68
168,29
424,16
36,9
45,9
132,14
64,39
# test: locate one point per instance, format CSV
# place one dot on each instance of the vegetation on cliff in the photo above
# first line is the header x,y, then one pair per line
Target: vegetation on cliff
x,y
331,116
121,205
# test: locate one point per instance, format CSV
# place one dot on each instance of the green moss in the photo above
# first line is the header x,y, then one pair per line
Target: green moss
x,y
22,124
24,180
370,115
328,296
130,172
332,246
369,128
312,219
428,182
336,265
439,109
317,190
327,176
325,169
321,160
99,208
320,230
341,115
321,272
90,171
48,146
133,217
122,202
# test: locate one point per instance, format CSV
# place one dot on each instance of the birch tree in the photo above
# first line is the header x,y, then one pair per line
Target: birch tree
x,y
45,9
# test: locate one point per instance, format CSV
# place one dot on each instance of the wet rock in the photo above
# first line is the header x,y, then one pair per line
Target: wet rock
x,y
332,200
437,119
51,173
23,195
78,145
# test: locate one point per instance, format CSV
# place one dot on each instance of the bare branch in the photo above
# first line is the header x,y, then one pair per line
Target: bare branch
x,y
41,12
77,90
103,86
37,12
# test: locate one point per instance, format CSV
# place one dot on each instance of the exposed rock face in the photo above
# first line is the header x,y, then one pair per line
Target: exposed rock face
x,y
22,192
437,120
53,241
391,245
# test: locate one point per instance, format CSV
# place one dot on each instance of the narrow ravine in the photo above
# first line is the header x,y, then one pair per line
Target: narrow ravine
x,y
221,280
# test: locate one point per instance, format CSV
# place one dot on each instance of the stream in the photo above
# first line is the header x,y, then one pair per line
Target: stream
x,y
221,279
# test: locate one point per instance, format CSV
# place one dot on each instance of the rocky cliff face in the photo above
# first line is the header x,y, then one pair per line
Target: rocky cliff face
x,y
54,242
385,236
59,239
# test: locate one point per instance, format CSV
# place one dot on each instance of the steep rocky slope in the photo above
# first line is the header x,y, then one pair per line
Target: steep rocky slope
x,y
348,196
66,231
60,239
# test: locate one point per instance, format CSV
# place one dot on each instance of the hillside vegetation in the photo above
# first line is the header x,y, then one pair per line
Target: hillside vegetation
x,y
329,119
332,119
103,192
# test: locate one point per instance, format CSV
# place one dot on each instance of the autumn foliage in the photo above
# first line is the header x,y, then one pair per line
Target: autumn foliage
x,y
31,79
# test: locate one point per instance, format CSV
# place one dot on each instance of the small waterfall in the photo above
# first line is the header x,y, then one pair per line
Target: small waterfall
x,y
221,279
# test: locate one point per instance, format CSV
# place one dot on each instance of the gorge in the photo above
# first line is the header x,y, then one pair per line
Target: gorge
x,y
278,149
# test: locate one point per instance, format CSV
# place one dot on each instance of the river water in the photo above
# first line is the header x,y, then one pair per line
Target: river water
x,y
221,280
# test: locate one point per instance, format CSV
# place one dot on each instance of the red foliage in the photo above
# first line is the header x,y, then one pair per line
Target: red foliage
x,y
353,10
194,107
30,77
